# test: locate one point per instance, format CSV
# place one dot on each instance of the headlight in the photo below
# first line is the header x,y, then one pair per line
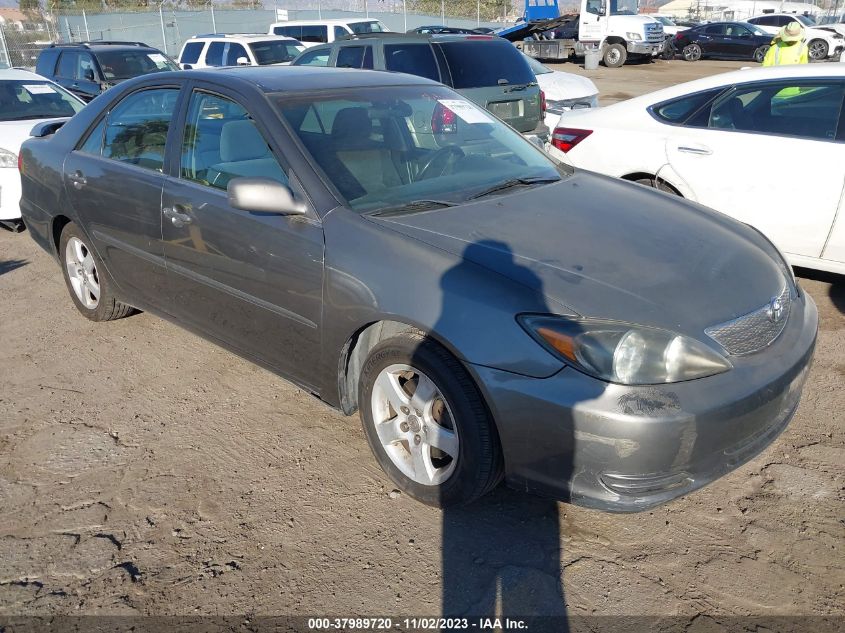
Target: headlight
x,y
634,36
623,352
8,159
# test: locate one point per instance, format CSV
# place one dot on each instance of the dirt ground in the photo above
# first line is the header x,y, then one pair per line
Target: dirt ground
x,y
145,471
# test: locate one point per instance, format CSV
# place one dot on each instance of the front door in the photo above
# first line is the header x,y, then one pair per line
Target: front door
x,y
767,154
251,280
114,182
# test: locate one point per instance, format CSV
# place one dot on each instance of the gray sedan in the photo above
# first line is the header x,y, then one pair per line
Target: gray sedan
x,y
394,249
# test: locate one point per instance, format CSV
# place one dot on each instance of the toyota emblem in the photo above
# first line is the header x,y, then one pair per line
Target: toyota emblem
x,y
775,310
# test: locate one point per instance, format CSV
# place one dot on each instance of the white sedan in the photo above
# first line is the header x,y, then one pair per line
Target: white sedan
x,y
765,146
562,91
25,100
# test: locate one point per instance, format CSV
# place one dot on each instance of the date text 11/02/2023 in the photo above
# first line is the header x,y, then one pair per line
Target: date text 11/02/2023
x,y
416,624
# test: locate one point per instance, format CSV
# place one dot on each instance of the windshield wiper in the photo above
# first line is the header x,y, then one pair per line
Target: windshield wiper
x,y
411,207
514,182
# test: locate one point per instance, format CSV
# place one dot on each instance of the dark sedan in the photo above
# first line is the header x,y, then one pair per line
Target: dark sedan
x,y
723,40
393,248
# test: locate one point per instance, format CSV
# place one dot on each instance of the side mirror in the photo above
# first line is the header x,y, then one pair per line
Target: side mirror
x,y
186,67
263,195
46,128
242,61
89,74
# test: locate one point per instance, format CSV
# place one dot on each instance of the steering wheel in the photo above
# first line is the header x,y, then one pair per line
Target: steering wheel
x,y
440,159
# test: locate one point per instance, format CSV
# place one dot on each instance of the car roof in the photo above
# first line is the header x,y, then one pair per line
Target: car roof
x,y
303,78
242,36
96,46
328,21
10,74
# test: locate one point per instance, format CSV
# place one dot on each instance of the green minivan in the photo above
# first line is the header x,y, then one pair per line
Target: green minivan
x,y
485,69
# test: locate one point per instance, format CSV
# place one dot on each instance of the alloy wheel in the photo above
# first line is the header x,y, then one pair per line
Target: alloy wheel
x,y
82,273
818,49
692,52
414,424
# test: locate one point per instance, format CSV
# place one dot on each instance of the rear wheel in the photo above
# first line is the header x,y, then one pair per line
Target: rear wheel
x,y
89,287
760,53
614,56
426,422
818,49
657,184
692,52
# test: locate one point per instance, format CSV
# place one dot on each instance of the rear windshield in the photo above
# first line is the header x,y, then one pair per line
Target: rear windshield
x,y
367,27
275,51
487,63
27,99
128,64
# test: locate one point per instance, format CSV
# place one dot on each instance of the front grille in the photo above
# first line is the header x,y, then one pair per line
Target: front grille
x,y
654,32
753,331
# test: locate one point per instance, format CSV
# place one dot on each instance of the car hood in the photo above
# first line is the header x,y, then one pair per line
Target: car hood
x,y
559,86
604,248
14,133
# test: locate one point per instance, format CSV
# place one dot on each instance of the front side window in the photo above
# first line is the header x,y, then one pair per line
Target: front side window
x,y
319,57
221,142
390,146
136,128
339,32
24,99
275,51
800,109
715,29
623,7
485,63
413,59
119,65
191,52
214,56
315,33
86,70
236,52
288,31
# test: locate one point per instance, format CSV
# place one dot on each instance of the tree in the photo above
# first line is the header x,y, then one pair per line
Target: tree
x,y
28,5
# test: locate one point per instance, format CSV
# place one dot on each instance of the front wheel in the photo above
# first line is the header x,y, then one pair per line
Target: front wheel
x,y
760,53
692,52
614,56
426,422
818,50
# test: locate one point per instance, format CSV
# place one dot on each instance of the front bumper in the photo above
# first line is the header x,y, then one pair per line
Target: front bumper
x,y
625,449
10,194
645,48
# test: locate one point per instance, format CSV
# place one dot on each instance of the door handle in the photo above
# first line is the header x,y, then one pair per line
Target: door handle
x,y
699,150
78,179
176,217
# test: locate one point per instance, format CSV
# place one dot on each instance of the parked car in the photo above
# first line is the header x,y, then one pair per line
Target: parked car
x,y
26,99
313,32
764,146
821,44
833,27
89,68
484,68
228,49
389,246
670,26
562,91
723,40
441,30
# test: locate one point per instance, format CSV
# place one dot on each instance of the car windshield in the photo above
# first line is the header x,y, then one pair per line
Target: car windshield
x,y
664,21
806,20
126,64
412,146
623,7
536,67
754,29
373,26
275,51
28,99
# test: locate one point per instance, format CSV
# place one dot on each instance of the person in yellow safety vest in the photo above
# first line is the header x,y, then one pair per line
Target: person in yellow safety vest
x,y
788,47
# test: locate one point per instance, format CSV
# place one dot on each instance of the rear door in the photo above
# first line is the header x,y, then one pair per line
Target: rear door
x,y
493,74
713,40
251,280
114,181
769,154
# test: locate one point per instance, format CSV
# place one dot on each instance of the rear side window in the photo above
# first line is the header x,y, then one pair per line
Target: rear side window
x,y
315,33
715,29
679,110
290,31
214,56
136,130
355,57
487,63
413,59
191,52
68,63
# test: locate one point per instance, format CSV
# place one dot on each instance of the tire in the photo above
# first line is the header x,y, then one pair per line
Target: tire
x,y
760,53
657,184
614,56
84,273
15,226
818,50
455,411
692,52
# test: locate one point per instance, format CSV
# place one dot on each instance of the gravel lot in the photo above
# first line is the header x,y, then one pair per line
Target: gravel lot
x,y
145,471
